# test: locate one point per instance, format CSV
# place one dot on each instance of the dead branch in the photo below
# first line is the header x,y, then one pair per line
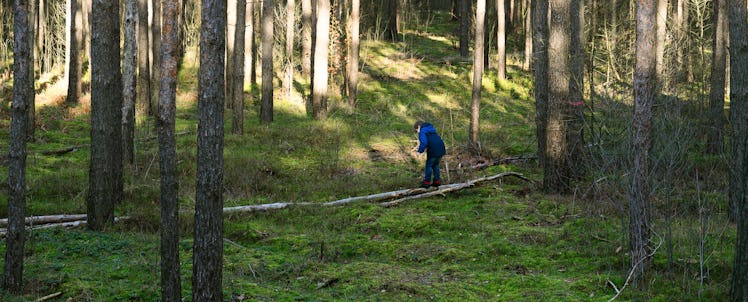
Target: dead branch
x,y
34,220
68,224
501,161
454,187
60,151
283,205
48,297
401,194
66,220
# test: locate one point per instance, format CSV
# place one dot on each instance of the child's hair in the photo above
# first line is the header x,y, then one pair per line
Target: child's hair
x,y
417,124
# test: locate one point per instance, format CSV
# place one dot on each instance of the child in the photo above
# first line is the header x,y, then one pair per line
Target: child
x,y
432,143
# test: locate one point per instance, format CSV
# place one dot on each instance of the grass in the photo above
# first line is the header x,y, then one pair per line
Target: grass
x,y
503,241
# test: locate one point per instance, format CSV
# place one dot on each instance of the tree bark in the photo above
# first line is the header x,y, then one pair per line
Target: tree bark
x,y
129,77
230,41
72,51
43,55
738,98
575,134
208,249
31,110
22,79
171,289
249,38
528,36
353,52
306,38
237,124
660,42
501,39
556,169
288,79
645,79
266,105
319,88
473,137
540,67
464,27
715,136
392,30
155,55
255,53
105,175
144,66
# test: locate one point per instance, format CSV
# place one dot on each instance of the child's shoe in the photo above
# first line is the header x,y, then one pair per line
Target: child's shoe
x,y
426,184
436,183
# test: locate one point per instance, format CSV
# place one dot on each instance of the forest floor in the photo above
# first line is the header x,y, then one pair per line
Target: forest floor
x,y
500,241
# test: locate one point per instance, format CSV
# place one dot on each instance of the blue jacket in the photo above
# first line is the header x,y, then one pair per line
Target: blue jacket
x,y
430,141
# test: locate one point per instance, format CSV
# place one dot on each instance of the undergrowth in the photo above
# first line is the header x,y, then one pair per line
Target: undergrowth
x,y
503,241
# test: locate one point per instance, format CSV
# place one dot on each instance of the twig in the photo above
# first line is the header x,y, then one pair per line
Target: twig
x,y
633,269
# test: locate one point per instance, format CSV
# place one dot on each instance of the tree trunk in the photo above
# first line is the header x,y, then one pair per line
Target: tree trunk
x,y
392,30
74,66
645,79
353,52
501,39
171,289
540,66
249,37
208,249
105,175
715,137
660,41
306,38
266,106
44,55
319,89
528,37
739,288
575,134
464,27
237,124
257,9
155,55
480,16
31,110
129,77
288,79
230,41
144,66
22,79
556,169
738,98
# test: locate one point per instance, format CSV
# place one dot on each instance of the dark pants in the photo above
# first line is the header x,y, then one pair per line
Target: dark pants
x,y
432,166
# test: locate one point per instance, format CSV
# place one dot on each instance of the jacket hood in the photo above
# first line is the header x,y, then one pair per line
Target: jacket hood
x,y
427,128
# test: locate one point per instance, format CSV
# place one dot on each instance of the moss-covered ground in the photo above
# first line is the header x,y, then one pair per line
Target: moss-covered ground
x,y
500,241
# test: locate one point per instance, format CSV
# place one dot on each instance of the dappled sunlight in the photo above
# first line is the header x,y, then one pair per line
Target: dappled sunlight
x,y
291,107
392,62
443,100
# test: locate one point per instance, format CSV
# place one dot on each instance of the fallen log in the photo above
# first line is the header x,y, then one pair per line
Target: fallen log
x,y
48,297
41,222
60,151
402,195
34,220
454,187
68,224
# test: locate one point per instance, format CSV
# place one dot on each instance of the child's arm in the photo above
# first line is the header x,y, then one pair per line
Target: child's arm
x,y
424,142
